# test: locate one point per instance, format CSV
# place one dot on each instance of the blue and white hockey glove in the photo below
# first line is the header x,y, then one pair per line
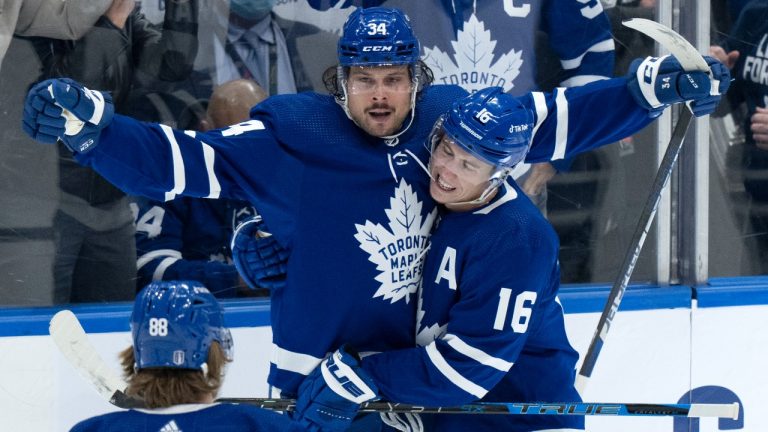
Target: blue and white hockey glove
x,y
260,260
656,82
330,396
62,109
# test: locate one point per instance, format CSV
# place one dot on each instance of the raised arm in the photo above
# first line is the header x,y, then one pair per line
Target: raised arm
x,y
58,19
573,120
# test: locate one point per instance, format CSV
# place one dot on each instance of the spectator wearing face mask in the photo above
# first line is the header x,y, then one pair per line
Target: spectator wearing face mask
x,y
250,41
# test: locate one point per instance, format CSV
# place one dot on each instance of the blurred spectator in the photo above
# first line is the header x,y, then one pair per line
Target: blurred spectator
x,y
93,227
188,238
248,40
745,51
50,18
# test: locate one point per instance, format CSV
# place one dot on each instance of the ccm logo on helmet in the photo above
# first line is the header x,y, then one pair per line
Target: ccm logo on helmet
x,y
377,48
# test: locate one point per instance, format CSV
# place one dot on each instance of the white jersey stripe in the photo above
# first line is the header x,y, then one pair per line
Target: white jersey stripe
x,y
293,361
149,256
214,187
540,102
453,376
477,355
560,430
213,182
580,80
179,175
561,131
162,267
603,46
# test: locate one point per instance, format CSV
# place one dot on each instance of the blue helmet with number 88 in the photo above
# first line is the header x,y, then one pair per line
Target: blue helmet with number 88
x,y
173,325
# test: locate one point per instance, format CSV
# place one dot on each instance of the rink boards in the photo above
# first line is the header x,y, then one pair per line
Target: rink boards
x,y
663,347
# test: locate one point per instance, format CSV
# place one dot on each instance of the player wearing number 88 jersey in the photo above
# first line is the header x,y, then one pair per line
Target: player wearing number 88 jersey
x,y
176,365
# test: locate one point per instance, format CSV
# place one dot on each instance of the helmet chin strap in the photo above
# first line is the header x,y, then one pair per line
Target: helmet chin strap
x,y
493,184
389,140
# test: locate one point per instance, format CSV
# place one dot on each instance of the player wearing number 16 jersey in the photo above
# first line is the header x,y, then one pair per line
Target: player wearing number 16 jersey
x,y
490,326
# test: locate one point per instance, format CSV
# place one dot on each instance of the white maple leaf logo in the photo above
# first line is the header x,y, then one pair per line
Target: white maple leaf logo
x,y
427,335
472,66
398,250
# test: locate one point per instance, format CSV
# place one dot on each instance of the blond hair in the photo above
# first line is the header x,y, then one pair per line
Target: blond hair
x,y
164,387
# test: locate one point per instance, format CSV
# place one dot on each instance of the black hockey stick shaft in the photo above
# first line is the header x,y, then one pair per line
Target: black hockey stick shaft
x,y
636,245
522,408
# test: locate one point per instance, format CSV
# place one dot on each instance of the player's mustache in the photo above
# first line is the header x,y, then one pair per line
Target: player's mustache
x,y
379,106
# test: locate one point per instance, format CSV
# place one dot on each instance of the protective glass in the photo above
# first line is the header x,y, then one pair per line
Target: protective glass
x,y
365,84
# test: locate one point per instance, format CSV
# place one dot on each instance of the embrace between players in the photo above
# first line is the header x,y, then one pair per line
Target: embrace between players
x,y
357,186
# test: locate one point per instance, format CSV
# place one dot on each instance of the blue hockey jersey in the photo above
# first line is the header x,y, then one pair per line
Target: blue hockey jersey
x,y
354,213
750,38
490,326
188,239
483,43
191,418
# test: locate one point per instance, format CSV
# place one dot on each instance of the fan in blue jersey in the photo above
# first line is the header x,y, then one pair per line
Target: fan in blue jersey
x,y
746,51
341,179
176,365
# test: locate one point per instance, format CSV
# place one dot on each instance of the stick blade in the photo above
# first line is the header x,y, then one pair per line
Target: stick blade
x,y
72,341
730,411
688,56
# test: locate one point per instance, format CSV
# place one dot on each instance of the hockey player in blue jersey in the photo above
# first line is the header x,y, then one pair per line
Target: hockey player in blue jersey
x,y
489,326
340,180
176,365
189,238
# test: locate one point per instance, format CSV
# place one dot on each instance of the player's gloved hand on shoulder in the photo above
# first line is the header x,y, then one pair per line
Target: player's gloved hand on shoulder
x,y
62,109
330,396
656,82
260,260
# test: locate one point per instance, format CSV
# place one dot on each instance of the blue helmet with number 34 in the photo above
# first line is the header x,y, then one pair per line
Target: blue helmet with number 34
x,y
173,325
377,36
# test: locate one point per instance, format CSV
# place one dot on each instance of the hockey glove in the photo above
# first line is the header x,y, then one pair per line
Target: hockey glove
x,y
260,260
656,82
330,396
62,109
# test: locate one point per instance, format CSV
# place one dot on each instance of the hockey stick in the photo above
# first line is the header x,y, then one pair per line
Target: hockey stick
x,y
568,408
690,60
72,341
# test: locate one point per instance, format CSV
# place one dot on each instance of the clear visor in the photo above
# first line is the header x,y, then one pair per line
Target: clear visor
x,y
370,80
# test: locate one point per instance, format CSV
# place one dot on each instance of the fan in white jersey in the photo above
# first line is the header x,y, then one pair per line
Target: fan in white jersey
x,y
176,365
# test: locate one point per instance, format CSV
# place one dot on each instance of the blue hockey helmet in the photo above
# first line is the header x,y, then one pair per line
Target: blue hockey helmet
x,y
377,36
174,324
491,125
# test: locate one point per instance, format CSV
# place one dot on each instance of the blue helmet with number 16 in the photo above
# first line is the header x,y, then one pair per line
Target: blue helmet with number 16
x,y
173,325
491,125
